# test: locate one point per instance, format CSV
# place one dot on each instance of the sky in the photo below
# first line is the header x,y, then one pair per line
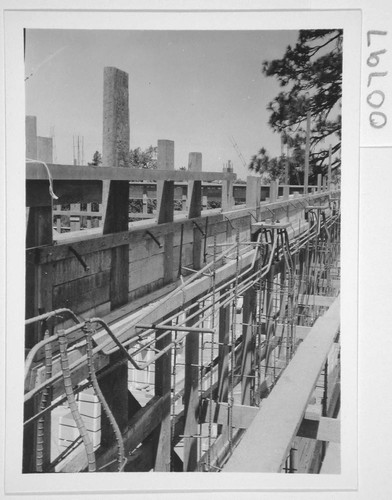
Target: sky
x,y
197,88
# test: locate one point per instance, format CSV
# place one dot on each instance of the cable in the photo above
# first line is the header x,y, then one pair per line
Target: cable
x,y
29,160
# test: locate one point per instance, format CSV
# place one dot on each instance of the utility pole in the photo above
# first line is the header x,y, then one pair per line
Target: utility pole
x,y
307,153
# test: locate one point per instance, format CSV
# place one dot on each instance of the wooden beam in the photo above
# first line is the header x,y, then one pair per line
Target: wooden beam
x,y
242,415
36,171
267,442
166,203
324,429
316,300
92,242
67,191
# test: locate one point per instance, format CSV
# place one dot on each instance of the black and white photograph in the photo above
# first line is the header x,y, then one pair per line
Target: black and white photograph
x,y
182,293
187,248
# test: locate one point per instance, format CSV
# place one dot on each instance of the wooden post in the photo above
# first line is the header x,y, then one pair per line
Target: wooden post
x,y
195,200
39,284
145,204
115,390
224,353
191,393
165,161
191,396
248,318
194,187
162,433
227,195
307,153
223,362
183,201
319,180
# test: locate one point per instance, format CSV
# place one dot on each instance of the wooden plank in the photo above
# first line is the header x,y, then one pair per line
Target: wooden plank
x,y
70,269
83,293
138,276
36,171
316,300
242,415
98,242
324,429
80,213
267,442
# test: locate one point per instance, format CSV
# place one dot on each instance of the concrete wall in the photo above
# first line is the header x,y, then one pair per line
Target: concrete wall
x,y
31,137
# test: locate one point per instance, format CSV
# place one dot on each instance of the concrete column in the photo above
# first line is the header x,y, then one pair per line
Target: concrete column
x,y
115,144
115,140
253,192
165,154
274,189
31,137
45,149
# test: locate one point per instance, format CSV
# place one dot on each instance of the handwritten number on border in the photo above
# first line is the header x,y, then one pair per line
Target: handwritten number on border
x,y
376,98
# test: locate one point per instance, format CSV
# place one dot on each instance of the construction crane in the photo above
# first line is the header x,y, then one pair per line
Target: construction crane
x,y
237,149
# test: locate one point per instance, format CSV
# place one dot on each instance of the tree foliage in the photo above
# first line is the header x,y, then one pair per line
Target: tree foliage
x,y
139,158
97,159
310,74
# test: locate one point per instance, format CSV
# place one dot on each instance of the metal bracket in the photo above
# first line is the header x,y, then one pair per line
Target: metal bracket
x,y
80,258
229,221
255,218
199,228
154,238
271,212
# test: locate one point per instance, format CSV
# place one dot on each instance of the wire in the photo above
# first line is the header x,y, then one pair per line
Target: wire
x,y
51,192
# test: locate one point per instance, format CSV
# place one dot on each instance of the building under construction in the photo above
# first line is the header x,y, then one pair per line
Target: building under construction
x,y
181,337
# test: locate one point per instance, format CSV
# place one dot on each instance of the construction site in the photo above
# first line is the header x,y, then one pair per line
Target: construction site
x,y
198,333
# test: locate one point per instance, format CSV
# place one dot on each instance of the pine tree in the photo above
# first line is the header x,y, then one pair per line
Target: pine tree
x,y
311,75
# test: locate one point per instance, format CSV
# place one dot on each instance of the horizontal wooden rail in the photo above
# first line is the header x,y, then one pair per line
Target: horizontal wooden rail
x,y
267,442
37,171
87,243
